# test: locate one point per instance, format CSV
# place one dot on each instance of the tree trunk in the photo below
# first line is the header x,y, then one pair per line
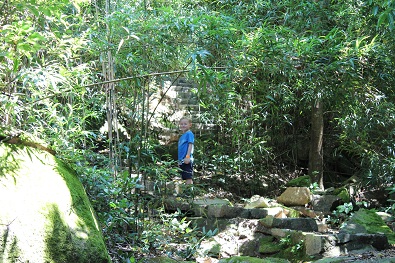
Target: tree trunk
x,y
315,154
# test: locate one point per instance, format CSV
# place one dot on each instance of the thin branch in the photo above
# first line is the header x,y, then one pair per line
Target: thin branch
x,y
144,76
115,80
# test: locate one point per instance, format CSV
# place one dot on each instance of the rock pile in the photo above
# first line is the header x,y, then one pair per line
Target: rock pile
x,y
263,228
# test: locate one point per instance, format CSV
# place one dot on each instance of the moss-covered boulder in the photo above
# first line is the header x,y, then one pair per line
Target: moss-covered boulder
x,y
45,214
368,221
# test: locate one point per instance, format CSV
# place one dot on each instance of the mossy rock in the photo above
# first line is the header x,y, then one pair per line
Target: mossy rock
x,y
294,254
372,223
267,246
210,247
244,259
301,181
45,215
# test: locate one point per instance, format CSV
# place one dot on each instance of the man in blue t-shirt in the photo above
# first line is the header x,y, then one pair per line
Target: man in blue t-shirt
x,y
185,150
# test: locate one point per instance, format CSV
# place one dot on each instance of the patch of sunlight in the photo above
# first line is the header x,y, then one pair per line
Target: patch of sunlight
x,y
94,219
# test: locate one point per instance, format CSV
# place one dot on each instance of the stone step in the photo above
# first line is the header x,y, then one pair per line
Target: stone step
x,y
183,89
183,82
193,108
180,92
184,104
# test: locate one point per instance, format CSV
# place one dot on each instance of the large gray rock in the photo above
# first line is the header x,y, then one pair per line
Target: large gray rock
x,y
324,203
45,215
359,241
224,211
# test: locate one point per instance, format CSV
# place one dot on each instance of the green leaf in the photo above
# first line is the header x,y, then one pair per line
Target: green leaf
x,y
36,37
382,19
24,46
26,26
270,98
375,10
47,11
33,9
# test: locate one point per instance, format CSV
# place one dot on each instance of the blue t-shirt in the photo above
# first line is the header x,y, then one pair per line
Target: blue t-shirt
x,y
185,139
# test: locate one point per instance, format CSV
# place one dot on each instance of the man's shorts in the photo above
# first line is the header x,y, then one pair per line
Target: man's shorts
x,y
187,171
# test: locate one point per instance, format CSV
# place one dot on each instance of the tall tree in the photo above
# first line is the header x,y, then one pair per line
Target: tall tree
x,y
316,158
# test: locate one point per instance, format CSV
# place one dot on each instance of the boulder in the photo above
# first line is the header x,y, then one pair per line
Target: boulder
x,y
350,242
295,196
45,214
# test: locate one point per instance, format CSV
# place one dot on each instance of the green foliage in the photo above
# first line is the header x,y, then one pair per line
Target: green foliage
x,y
291,249
341,214
286,242
385,12
314,187
302,181
391,208
135,219
343,194
40,77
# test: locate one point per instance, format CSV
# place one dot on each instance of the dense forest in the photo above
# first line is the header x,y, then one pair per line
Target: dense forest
x,y
286,87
